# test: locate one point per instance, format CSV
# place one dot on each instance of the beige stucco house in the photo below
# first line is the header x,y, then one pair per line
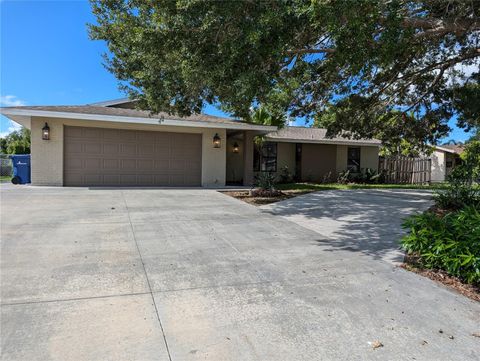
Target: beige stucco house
x,y
444,159
113,144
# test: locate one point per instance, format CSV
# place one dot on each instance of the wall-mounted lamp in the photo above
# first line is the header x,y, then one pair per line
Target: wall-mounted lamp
x,y
217,142
235,147
46,132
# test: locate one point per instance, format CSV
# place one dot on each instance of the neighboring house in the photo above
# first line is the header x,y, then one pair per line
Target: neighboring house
x,y
444,159
113,144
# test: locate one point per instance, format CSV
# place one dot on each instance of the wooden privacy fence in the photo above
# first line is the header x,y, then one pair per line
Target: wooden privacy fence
x,y
406,170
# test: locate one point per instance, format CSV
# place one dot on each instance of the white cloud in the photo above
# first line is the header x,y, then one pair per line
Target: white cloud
x,y
10,101
10,126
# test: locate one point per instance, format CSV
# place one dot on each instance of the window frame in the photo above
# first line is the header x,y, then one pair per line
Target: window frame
x,y
263,155
351,166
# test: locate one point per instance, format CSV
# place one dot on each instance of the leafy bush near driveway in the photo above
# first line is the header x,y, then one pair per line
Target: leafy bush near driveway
x,y
447,237
265,185
365,176
450,242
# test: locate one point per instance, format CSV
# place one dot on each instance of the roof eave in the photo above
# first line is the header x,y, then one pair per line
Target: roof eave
x,y
136,120
108,103
322,141
446,150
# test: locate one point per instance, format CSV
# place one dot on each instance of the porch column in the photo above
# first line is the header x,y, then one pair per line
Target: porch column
x,y
248,158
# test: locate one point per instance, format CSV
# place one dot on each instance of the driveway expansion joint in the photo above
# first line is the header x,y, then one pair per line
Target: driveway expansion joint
x,y
146,277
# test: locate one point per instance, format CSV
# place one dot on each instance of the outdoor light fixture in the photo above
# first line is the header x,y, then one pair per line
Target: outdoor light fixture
x,y
235,147
216,141
46,132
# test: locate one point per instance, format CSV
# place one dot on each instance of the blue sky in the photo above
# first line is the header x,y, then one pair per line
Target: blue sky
x,y
47,58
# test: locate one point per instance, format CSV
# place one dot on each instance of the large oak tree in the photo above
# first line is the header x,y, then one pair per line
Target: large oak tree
x,y
396,67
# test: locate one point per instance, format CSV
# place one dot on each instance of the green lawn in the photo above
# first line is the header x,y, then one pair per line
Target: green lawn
x,y
5,178
329,186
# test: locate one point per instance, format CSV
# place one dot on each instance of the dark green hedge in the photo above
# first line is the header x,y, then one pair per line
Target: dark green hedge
x,y
450,242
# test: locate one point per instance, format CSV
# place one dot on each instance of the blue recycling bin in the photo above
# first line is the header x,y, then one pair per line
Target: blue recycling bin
x,y
21,168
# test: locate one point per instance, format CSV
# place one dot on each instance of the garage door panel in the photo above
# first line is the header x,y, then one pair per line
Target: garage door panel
x,y
111,179
92,133
73,132
93,164
162,179
146,137
128,149
73,147
145,164
94,179
129,165
161,164
146,149
194,165
145,179
111,164
110,148
92,148
128,179
177,165
113,157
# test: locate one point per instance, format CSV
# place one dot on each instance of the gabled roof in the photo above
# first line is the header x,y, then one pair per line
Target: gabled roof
x,y
315,135
127,115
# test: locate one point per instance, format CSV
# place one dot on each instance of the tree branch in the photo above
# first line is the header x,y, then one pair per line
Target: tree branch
x,y
311,51
435,27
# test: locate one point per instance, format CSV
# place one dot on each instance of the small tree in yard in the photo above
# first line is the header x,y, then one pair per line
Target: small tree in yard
x,y
17,142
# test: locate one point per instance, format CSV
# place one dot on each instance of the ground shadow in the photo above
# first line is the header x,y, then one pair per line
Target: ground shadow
x,y
365,221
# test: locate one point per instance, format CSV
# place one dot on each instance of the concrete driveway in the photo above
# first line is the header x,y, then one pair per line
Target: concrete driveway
x,y
364,221
97,274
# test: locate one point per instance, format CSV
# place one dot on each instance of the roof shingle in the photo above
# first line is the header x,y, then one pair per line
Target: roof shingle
x,y
315,135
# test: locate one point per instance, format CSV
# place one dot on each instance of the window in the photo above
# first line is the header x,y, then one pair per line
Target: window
x,y
353,160
265,158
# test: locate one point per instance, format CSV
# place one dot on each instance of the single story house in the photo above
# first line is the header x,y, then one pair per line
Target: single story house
x,y
444,159
113,144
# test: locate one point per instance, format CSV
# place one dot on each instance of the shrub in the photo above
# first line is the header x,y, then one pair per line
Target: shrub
x,y
457,196
265,181
343,177
285,175
463,189
449,242
365,176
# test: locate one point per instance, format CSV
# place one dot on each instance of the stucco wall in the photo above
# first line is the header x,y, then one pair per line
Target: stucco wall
x,y
318,162
342,157
368,157
47,156
285,157
438,166
248,158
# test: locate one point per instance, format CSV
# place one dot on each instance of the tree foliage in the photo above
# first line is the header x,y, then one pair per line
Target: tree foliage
x,y
17,142
396,66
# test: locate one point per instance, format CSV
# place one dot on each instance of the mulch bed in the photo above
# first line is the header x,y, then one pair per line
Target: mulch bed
x,y
246,196
411,263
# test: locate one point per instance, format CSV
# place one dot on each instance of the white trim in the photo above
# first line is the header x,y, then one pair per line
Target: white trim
x,y
322,141
137,120
111,102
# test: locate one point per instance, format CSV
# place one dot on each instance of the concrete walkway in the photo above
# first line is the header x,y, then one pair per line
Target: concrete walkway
x,y
196,275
